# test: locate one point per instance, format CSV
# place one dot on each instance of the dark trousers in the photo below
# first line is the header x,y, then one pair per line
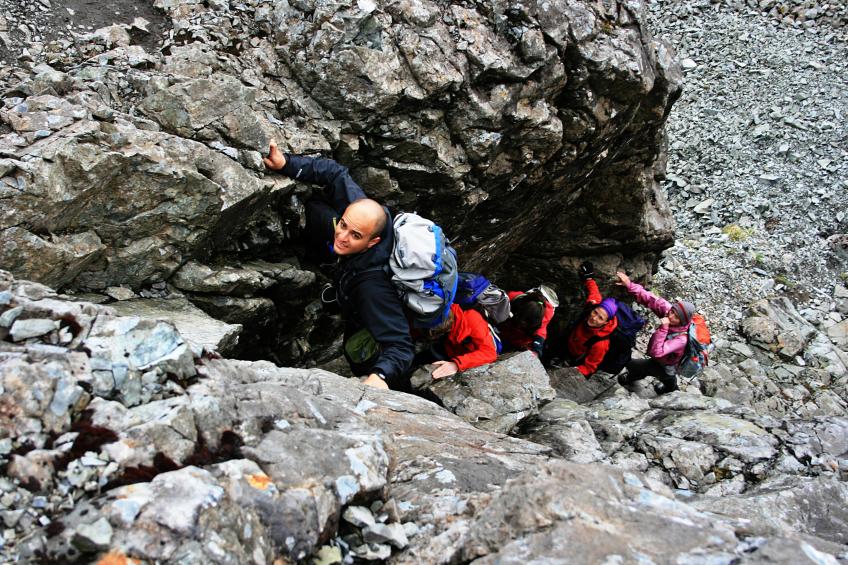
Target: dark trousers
x,y
638,369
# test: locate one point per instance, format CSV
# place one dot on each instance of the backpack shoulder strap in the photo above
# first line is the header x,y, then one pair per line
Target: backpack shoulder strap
x,y
588,345
595,339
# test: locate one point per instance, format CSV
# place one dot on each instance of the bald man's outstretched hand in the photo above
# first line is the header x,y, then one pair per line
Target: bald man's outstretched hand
x,y
275,159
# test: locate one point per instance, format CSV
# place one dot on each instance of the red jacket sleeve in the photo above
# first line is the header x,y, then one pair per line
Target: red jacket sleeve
x,y
594,358
594,295
481,350
546,318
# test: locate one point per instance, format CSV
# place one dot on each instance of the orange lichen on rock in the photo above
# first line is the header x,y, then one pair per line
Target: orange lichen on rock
x,y
116,557
260,481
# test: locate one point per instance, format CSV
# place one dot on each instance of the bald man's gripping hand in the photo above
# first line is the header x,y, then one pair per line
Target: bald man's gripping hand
x,y
275,159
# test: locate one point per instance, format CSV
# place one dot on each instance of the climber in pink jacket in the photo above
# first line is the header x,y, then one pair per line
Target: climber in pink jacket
x,y
668,343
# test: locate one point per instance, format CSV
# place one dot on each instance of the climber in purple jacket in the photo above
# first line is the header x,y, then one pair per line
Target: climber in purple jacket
x,y
664,352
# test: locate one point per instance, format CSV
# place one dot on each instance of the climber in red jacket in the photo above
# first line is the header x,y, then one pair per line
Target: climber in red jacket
x,y
527,327
463,342
586,344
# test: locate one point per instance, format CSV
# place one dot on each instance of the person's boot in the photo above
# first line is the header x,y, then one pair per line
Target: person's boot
x,y
624,379
664,388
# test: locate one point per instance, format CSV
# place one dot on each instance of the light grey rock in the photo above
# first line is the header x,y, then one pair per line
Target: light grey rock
x,y
498,396
788,550
443,468
35,469
359,516
192,323
358,465
574,507
692,460
393,534
120,293
196,277
732,435
688,64
838,333
788,506
373,551
821,442
9,316
93,537
185,512
165,427
573,440
778,326
33,327
742,349
44,392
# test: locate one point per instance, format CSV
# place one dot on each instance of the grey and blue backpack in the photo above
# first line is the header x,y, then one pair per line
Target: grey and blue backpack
x,y
423,268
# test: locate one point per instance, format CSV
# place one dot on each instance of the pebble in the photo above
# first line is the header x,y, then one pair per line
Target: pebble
x,y
120,293
359,516
386,533
89,461
775,164
93,537
373,552
688,64
328,555
9,316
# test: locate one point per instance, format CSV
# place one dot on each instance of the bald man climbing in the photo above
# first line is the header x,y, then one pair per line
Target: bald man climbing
x,y
342,223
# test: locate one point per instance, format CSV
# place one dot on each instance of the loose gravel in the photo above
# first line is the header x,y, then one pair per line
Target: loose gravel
x,y
757,173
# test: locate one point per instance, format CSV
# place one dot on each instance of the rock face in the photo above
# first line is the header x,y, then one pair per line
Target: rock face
x,y
508,125
120,441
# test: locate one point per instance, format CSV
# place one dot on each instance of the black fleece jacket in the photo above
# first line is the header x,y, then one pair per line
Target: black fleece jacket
x,y
366,294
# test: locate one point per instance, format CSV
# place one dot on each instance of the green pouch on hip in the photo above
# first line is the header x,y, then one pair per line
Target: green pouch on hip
x,y
361,347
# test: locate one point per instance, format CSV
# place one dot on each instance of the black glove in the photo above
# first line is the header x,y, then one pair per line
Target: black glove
x,y
537,346
586,271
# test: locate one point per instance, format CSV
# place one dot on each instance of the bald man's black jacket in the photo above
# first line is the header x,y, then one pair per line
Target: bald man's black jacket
x,y
366,294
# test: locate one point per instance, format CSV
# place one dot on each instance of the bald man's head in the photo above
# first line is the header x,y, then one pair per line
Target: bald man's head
x,y
360,227
373,210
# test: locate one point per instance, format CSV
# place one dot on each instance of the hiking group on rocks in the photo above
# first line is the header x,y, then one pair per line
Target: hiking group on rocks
x,y
397,284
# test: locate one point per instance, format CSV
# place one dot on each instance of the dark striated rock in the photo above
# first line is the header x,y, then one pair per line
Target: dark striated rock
x,y
570,384
546,119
